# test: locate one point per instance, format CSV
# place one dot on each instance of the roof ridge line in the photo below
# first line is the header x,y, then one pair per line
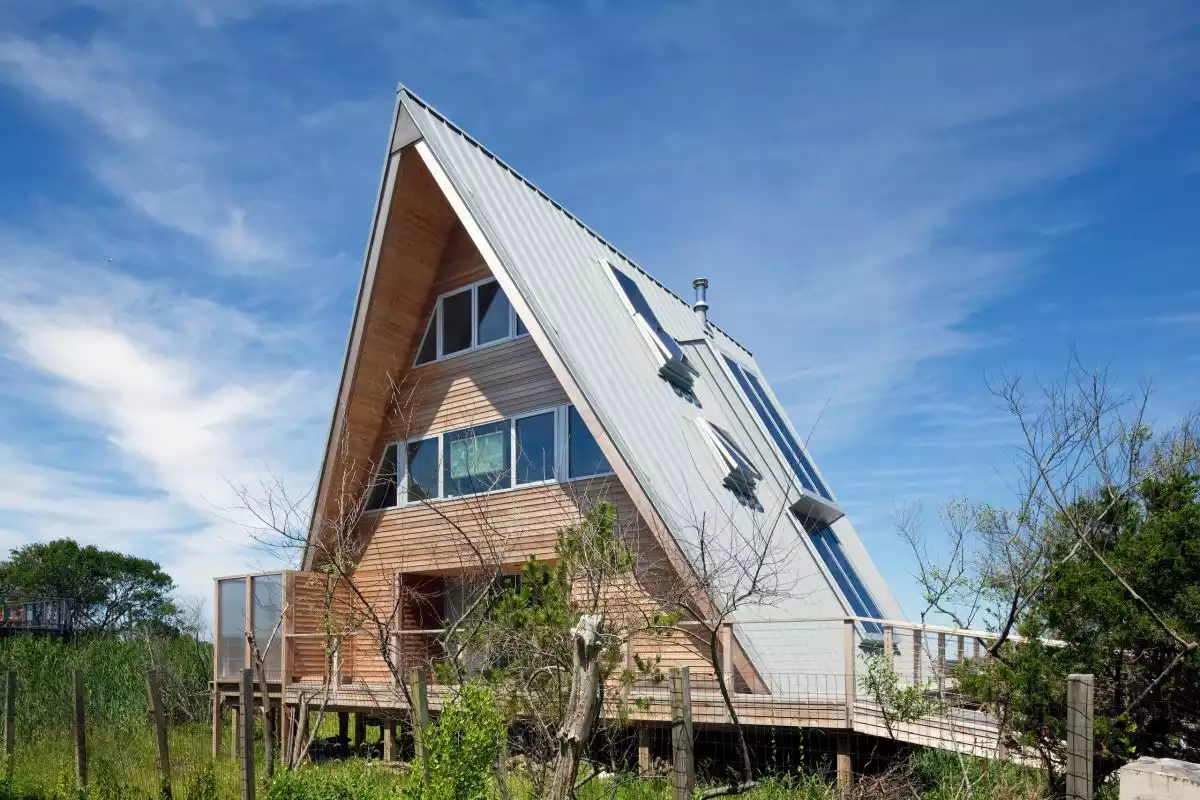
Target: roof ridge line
x,y
402,89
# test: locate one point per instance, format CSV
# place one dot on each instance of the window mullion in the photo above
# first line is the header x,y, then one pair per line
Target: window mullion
x,y
440,320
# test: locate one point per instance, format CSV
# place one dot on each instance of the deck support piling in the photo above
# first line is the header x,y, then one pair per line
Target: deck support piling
x,y
235,733
216,722
388,734
344,728
643,750
845,771
360,730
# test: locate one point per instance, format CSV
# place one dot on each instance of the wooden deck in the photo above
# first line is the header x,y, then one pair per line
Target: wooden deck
x,y
959,729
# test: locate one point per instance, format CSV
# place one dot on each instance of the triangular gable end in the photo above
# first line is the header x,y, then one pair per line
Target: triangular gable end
x,y
419,215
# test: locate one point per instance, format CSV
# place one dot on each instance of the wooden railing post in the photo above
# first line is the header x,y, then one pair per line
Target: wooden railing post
x,y
158,714
10,720
420,716
888,637
247,734
81,762
941,663
726,635
1080,747
917,645
962,648
683,759
848,666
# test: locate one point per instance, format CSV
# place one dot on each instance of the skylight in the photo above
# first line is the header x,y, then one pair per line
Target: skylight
x,y
846,577
675,367
778,428
742,476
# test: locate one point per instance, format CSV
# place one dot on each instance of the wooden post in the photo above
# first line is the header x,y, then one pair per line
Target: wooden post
x,y
216,721
845,767
941,663
235,732
683,759
81,763
287,725
916,644
420,716
643,750
389,740
158,714
962,648
10,720
247,737
360,730
848,666
1080,752
977,648
343,729
888,636
727,654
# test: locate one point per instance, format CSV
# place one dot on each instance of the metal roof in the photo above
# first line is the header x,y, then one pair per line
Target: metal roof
x,y
559,267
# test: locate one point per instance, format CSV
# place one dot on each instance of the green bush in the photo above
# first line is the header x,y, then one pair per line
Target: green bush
x,y
462,747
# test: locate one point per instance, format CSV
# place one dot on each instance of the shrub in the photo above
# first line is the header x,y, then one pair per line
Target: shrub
x,y
461,749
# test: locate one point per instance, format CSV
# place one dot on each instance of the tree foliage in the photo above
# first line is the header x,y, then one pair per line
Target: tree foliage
x,y
108,591
1147,684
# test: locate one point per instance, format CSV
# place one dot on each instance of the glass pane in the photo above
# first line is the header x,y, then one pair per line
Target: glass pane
x,y
456,323
428,350
845,576
492,311
383,489
231,638
477,459
535,448
739,457
583,454
268,633
521,329
423,469
638,301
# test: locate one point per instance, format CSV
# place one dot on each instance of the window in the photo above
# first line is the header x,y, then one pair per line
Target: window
x,y
552,444
777,427
675,367
845,576
469,318
477,459
383,488
742,475
456,322
421,480
492,314
584,456
536,444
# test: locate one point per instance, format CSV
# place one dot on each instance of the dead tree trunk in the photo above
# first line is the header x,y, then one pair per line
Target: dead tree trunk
x,y
583,704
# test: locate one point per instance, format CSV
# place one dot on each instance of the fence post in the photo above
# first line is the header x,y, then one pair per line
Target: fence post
x,y
420,716
644,750
683,760
154,689
848,666
247,737
81,765
10,720
1080,691
845,766
216,721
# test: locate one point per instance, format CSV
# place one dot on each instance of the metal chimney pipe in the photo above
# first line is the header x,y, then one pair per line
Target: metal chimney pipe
x,y
701,306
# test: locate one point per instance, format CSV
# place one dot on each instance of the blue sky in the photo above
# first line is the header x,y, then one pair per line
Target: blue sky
x,y
891,200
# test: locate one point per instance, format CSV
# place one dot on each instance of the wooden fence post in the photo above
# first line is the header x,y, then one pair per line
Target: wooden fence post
x,y
1080,753
643,750
10,720
388,734
216,721
154,690
420,716
845,765
683,759
81,765
247,737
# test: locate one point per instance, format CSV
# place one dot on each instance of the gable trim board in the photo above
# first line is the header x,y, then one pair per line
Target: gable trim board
x,y
550,266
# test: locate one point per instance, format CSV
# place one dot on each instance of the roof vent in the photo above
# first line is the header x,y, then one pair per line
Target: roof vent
x,y
701,306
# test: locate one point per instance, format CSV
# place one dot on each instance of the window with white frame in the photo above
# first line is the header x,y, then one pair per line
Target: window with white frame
x,y
543,446
467,319
741,474
674,365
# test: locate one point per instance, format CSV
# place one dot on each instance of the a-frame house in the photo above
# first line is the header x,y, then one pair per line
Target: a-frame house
x,y
506,368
